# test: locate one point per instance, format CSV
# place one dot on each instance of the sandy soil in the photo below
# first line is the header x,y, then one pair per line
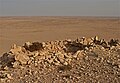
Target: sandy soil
x,y
21,29
59,59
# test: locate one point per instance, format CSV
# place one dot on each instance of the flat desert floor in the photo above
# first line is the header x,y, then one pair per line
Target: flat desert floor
x,y
21,29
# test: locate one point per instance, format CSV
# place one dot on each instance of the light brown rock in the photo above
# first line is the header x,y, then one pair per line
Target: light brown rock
x,y
16,49
16,64
9,76
22,58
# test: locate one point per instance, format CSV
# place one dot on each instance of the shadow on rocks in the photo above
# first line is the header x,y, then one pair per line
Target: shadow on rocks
x,y
35,46
6,60
73,47
65,68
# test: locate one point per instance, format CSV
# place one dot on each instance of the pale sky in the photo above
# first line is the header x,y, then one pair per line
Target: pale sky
x,y
59,7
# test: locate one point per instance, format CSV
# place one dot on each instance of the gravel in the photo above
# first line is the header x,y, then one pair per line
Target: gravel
x,y
83,60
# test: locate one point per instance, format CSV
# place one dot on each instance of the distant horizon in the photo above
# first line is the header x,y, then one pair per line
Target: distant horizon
x,y
67,16
55,16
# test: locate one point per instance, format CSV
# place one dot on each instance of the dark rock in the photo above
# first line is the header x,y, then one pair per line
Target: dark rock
x,y
113,42
35,46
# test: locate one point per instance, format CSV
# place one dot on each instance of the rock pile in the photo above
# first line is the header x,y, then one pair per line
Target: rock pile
x,y
60,54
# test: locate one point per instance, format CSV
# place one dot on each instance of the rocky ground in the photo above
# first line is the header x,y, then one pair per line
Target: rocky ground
x,y
84,60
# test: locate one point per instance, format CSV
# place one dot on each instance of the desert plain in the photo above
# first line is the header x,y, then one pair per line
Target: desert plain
x,y
22,29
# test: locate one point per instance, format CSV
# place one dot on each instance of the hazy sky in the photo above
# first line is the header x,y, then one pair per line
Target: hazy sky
x,y
59,7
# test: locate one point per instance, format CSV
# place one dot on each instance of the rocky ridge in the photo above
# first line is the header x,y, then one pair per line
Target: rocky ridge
x,y
67,61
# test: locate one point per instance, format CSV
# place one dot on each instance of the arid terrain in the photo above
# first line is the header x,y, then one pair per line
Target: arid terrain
x,y
21,29
59,50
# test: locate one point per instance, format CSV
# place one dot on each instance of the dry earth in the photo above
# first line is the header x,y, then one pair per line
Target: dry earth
x,y
21,29
62,54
